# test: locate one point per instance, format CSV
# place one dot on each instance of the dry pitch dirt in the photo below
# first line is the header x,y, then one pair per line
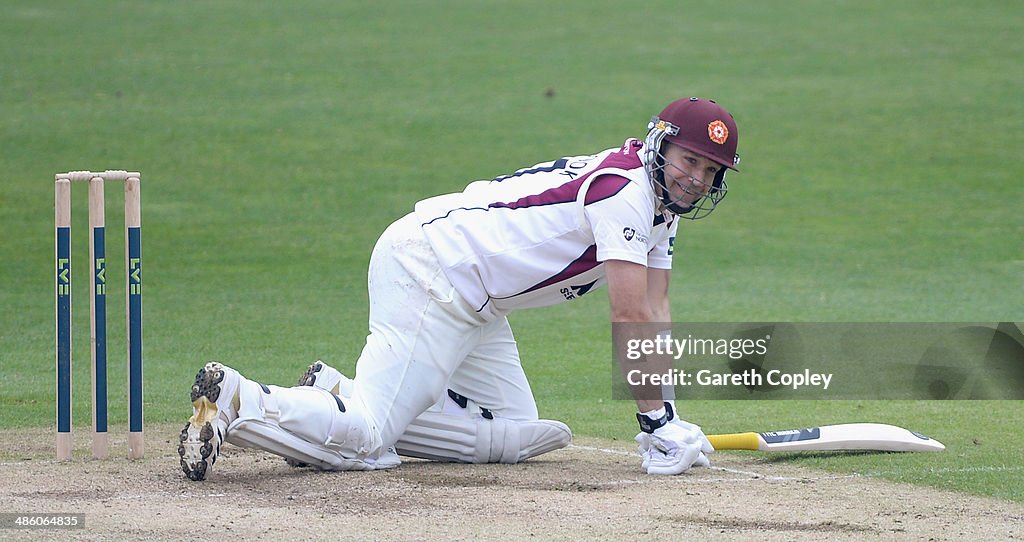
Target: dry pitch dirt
x,y
591,491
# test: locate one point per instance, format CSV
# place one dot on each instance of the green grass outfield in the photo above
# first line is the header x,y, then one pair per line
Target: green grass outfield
x,y
881,181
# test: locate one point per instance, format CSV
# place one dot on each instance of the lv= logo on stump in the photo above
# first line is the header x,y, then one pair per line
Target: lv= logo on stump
x,y
98,308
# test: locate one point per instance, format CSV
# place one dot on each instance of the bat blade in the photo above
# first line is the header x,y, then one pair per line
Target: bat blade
x,y
842,437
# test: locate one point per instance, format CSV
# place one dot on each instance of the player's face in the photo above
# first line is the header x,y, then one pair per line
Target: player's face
x,y
688,175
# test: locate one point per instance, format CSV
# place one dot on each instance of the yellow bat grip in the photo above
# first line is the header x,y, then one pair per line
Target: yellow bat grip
x,y
735,441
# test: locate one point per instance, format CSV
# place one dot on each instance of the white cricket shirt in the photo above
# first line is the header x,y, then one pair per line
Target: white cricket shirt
x,y
540,235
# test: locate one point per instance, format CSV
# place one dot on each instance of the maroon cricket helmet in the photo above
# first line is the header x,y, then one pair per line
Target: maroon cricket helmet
x,y
701,126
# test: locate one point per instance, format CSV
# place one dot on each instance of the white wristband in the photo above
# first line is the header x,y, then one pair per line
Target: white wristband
x,y
655,414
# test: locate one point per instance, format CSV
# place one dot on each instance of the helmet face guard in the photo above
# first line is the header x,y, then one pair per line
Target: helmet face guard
x,y
699,126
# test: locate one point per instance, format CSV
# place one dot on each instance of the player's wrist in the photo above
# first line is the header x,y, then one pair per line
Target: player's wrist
x,y
650,421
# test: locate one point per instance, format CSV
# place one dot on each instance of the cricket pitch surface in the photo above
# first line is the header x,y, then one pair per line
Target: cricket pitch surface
x,y
593,490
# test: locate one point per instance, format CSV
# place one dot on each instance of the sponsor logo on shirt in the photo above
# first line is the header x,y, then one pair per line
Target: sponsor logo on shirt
x,y
572,292
630,234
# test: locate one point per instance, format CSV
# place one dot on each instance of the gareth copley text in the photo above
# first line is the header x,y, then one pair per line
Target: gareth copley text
x,y
747,379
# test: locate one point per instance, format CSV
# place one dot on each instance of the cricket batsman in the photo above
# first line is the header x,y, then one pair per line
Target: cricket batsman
x,y
440,375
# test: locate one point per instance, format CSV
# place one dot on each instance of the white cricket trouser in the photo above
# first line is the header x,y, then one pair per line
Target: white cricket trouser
x,y
425,338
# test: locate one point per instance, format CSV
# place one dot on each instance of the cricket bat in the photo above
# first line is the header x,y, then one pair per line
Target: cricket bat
x,y
848,436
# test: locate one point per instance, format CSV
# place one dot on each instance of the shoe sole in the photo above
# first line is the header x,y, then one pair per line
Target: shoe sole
x,y
309,377
199,442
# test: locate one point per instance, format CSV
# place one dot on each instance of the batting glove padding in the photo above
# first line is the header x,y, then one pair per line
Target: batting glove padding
x,y
673,448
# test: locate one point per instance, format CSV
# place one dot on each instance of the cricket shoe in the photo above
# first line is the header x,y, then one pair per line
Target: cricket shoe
x,y
388,459
325,377
214,406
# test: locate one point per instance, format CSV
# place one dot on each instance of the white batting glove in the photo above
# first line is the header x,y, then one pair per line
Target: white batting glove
x,y
671,446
